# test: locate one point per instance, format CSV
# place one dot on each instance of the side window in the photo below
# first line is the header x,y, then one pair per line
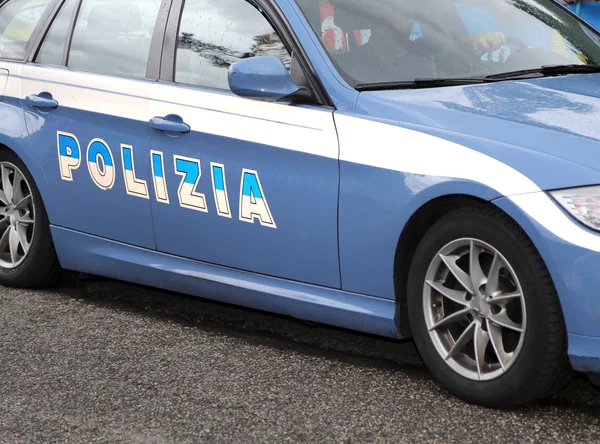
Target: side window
x,y
213,34
53,47
114,37
18,20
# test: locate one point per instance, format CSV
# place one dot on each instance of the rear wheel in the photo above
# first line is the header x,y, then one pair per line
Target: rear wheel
x,y
484,312
27,255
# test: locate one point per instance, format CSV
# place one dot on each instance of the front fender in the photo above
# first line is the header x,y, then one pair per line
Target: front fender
x,y
375,206
387,173
571,253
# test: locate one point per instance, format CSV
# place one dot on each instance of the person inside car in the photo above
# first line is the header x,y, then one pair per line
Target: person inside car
x,y
382,36
408,54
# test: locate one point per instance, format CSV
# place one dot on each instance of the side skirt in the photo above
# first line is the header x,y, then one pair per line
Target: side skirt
x,y
94,255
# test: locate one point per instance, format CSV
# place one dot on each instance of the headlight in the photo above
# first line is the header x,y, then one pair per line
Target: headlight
x,y
582,203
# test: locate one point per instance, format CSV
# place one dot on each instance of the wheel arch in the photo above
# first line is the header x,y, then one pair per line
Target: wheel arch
x,y
422,220
416,227
30,160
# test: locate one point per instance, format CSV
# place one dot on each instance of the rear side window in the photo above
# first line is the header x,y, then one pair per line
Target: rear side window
x,y
18,20
53,49
114,37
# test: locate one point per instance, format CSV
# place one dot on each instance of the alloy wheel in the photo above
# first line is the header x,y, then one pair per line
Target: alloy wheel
x,y
17,216
475,309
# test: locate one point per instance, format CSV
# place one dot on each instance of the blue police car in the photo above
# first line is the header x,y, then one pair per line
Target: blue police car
x,y
426,170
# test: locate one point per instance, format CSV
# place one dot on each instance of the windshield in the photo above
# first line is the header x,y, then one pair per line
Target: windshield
x,y
389,41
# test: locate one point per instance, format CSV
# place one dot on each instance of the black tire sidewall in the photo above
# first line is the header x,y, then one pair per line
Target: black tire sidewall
x,y
513,387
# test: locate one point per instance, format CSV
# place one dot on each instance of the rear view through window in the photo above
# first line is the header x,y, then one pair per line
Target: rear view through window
x,y
53,48
114,37
18,20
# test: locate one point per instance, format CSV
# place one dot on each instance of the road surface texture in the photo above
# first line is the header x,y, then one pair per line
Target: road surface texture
x,y
101,361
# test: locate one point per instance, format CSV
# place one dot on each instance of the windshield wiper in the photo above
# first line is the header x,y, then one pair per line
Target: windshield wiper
x,y
422,83
543,71
546,70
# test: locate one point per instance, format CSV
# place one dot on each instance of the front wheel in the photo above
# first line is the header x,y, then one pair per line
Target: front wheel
x,y
484,312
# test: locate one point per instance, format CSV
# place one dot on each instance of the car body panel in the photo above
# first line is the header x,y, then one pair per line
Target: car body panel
x,y
378,216
536,126
3,81
295,299
287,153
92,108
387,174
571,253
13,130
583,353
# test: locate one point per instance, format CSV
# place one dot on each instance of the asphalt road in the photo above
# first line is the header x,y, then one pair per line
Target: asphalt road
x,y
103,361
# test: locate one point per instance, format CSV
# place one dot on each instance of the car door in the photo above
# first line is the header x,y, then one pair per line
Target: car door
x,y
88,120
253,185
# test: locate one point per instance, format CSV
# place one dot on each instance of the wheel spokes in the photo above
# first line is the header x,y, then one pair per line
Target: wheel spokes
x,y
502,320
4,239
17,186
3,198
478,278
493,279
473,296
480,342
26,220
22,234
495,333
13,243
451,318
23,203
463,340
463,278
454,295
503,299
7,186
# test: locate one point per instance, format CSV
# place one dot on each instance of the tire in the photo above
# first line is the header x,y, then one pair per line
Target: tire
x,y
38,266
489,316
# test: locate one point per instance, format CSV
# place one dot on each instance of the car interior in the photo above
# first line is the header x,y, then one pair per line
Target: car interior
x,y
120,46
16,29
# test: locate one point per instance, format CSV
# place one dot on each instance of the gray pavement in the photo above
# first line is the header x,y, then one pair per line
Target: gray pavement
x,y
102,361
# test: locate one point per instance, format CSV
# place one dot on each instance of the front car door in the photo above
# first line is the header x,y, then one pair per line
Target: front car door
x,y
254,185
88,120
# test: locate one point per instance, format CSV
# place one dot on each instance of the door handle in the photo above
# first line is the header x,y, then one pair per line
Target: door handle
x,y
42,101
170,124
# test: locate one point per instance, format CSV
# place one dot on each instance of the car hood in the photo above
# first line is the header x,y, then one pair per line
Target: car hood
x,y
547,128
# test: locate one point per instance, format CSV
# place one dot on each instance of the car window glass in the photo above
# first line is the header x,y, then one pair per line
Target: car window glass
x,y
114,37
18,20
390,41
214,34
53,47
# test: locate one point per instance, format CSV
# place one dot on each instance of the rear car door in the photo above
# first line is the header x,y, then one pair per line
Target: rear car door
x,y
86,99
254,185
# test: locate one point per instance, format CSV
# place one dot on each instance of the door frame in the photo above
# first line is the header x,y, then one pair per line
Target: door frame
x,y
278,22
156,45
